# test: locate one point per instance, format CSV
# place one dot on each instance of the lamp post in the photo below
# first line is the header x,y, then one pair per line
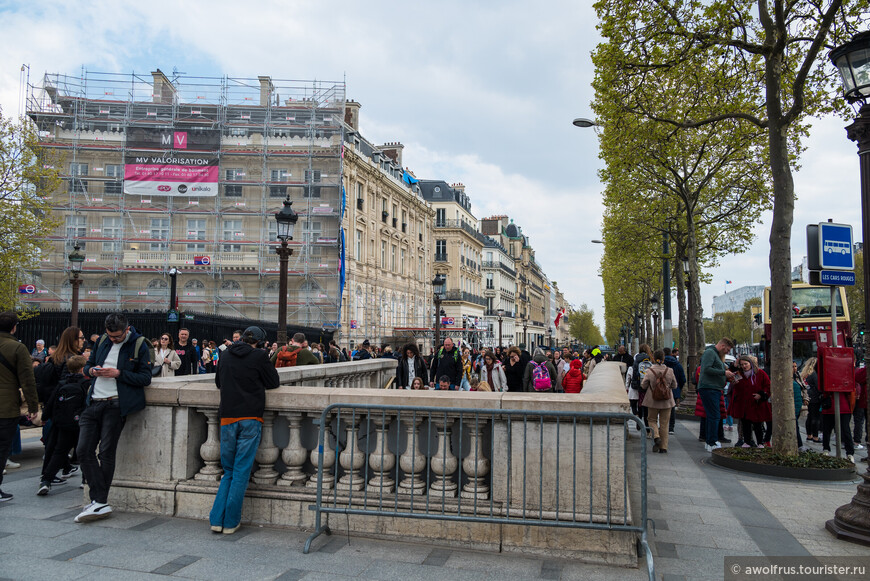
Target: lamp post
x,y
76,259
500,315
525,333
438,295
550,336
851,521
286,219
654,305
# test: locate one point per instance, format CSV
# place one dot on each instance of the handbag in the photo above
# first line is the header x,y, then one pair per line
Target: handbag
x,y
155,371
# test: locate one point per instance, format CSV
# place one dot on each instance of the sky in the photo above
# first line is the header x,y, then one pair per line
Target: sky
x,y
481,93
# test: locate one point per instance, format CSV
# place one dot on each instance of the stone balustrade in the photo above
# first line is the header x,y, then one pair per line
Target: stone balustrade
x,y
474,463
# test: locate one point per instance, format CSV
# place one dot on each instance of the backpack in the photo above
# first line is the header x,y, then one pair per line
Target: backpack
x,y
286,358
541,377
642,368
660,389
47,375
69,402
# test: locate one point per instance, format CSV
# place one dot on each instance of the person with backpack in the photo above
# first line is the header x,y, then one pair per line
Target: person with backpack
x,y
295,354
121,367
540,375
64,408
447,361
658,384
642,361
680,374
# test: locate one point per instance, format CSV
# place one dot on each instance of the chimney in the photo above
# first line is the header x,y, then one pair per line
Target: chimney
x,y
266,90
393,150
164,91
351,114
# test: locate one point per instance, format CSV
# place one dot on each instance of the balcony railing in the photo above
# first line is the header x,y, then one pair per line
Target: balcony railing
x,y
463,226
455,295
440,257
505,315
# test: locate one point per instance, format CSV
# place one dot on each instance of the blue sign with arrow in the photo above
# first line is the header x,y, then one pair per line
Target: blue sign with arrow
x,y
835,246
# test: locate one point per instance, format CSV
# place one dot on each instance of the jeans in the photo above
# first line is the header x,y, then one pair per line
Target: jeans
x,y
8,430
101,422
814,420
65,439
750,428
797,430
239,443
710,398
860,417
845,432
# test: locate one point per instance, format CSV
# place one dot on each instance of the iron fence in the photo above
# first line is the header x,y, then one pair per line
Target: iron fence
x,y
374,481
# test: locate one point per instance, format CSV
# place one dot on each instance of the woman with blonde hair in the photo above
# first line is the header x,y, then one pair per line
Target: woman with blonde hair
x,y
814,400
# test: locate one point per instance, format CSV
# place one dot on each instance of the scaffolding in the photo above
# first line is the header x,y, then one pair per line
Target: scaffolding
x,y
271,139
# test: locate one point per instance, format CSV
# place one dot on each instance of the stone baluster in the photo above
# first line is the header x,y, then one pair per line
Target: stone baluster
x,y
443,463
328,461
267,453
412,461
351,458
210,451
475,464
294,454
381,460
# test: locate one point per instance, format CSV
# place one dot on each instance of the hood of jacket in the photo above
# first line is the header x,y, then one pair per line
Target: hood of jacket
x,y
240,349
539,357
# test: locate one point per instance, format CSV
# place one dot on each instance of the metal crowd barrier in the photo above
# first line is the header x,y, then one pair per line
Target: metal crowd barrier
x,y
433,494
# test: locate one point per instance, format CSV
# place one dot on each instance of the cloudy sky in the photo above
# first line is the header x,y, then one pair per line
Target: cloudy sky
x,y
479,93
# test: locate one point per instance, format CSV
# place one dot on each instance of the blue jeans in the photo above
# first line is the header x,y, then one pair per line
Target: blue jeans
x,y
239,443
710,398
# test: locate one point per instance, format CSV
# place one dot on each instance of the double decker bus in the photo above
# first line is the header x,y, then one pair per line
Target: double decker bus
x,y
811,307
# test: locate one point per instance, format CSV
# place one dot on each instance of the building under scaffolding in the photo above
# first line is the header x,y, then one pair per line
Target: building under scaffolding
x,y
188,173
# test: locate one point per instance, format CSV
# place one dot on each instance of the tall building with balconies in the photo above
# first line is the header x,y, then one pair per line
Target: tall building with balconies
x,y
388,225
500,293
457,256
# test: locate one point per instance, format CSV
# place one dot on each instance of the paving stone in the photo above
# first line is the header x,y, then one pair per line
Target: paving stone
x,y
493,563
437,557
76,551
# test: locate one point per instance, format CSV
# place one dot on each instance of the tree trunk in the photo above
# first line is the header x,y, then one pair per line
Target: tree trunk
x,y
697,340
784,439
681,307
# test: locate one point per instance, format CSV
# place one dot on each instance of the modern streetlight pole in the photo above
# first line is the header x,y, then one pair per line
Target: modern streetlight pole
x,y
438,284
500,315
76,259
851,521
286,219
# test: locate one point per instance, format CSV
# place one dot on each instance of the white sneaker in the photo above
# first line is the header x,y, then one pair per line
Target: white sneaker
x,y
709,448
850,458
717,445
826,452
12,465
94,511
859,447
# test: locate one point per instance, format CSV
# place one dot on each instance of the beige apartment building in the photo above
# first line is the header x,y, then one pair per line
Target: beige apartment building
x,y
388,224
457,256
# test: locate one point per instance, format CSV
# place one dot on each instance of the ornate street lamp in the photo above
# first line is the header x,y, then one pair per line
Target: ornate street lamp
x,y
286,219
851,521
500,315
525,333
172,313
76,259
654,306
438,284
550,336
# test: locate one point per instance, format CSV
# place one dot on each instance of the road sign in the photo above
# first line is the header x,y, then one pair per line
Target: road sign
x,y
835,247
172,316
448,321
26,289
833,277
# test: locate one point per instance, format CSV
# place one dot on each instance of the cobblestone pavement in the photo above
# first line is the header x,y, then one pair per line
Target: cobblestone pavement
x,y
701,515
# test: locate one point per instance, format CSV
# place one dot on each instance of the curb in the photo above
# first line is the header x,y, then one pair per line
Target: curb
x,y
833,474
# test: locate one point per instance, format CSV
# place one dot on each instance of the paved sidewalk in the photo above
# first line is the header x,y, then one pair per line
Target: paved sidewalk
x,y
702,513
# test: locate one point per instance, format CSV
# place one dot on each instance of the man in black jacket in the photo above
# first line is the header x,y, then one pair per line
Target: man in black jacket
x,y
411,365
121,367
447,362
243,376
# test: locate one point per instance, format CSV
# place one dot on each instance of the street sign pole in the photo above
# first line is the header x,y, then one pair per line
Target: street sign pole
x,y
836,396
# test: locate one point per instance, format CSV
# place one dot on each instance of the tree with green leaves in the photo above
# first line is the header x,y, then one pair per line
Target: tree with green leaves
x,y
27,174
583,327
855,293
754,64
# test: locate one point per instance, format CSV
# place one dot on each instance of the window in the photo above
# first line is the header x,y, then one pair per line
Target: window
x,y
196,231
77,184
233,190
359,191
193,286
383,254
440,251
311,232
232,231
277,191
357,247
279,175
115,172
489,281
312,178
393,258
160,231
157,283
76,227
273,231
440,217
112,229
231,285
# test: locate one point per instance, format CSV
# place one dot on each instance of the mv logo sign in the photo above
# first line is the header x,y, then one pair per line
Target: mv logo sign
x,y
178,140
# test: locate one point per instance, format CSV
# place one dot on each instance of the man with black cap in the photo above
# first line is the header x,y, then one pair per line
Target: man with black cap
x,y
244,375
